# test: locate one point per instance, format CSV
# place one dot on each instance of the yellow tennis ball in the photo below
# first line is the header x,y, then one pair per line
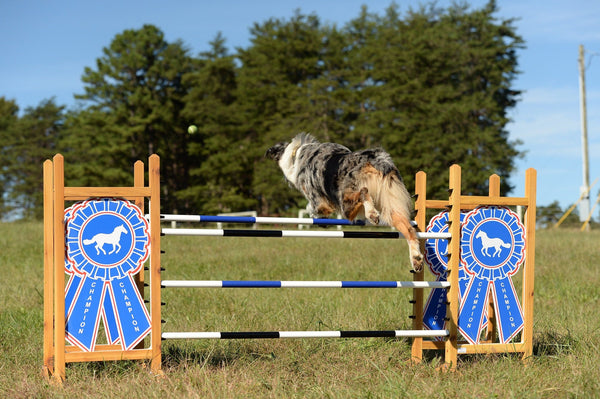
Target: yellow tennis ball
x,y
192,129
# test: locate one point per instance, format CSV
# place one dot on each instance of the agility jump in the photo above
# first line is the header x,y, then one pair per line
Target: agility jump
x,y
125,282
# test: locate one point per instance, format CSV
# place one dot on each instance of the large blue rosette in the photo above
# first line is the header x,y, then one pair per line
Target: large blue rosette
x,y
492,249
107,243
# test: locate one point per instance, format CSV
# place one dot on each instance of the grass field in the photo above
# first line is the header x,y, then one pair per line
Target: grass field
x,y
566,327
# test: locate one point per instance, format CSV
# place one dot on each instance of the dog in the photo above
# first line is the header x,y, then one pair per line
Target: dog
x,y
363,184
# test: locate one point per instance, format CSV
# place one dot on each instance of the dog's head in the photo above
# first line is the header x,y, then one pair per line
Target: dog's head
x,y
275,153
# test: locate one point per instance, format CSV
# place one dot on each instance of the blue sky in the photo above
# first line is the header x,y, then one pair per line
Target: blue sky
x,y
47,44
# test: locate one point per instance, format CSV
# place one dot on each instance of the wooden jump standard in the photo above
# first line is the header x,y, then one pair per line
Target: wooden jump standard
x,y
455,204
56,353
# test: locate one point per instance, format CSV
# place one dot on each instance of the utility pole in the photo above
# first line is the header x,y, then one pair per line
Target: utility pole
x,y
584,206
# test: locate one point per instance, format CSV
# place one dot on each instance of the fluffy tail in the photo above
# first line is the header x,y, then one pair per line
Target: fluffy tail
x,y
389,196
88,242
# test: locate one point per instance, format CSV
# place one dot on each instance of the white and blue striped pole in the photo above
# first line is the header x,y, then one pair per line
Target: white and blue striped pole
x,y
259,219
300,284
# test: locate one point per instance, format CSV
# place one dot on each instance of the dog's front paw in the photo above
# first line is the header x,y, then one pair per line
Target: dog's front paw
x,y
373,217
417,262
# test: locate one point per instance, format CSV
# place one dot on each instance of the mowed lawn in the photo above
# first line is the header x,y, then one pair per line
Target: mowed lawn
x,y
566,325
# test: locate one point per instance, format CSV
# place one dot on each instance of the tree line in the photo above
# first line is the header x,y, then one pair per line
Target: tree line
x,y
431,86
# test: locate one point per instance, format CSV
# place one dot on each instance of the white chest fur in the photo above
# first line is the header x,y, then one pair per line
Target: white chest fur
x,y
289,161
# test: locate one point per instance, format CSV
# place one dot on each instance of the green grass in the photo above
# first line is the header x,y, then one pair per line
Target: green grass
x,y
566,325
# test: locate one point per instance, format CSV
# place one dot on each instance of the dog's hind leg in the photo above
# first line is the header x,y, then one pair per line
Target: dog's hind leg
x,y
408,231
370,211
321,210
356,201
351,204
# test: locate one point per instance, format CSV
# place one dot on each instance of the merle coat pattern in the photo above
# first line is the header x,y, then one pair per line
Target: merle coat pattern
x,y
354,184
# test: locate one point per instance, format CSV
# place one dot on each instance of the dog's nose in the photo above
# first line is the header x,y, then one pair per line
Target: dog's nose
x,y
272,153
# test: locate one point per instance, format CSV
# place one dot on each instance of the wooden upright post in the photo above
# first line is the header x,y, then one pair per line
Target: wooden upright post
x,y
138,181
528,279
451,346
59,271
155,265
421,217
48,368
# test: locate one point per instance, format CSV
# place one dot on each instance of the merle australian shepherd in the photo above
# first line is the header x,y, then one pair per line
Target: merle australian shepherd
x,y
363,184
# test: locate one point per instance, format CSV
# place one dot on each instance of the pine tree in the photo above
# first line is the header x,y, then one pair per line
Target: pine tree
x,y
437,92
26,144
136,95
92,142
285,86
8,120
221,171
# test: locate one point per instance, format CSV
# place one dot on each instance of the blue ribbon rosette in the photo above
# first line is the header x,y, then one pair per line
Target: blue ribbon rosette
x,y
107,243
492,249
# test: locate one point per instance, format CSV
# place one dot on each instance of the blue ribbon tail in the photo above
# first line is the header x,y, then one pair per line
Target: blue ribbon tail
x,y
130,311
71,291
508,309
435,310
111,329
472,311
463,282
83,313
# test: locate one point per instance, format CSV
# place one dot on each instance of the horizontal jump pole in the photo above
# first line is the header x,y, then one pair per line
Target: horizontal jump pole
x,y
305,334
296,233
260,220
300,284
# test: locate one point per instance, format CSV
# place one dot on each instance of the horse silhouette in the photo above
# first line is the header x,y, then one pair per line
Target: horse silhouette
x,y
111,238
487,243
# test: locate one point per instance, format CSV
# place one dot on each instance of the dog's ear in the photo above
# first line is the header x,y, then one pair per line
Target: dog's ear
x,y
276,151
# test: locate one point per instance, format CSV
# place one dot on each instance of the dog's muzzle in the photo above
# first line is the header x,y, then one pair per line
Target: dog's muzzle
x,y
276,151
